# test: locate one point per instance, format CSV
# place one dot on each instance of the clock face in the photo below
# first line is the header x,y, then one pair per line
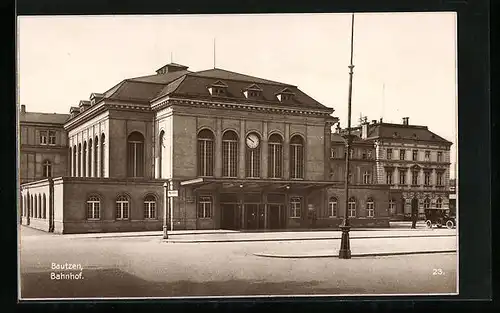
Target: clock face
x,y
252,141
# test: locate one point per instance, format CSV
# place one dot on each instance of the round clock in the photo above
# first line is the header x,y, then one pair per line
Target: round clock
x,y
253,141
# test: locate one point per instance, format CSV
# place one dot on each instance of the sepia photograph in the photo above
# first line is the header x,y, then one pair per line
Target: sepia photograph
x,y
237,155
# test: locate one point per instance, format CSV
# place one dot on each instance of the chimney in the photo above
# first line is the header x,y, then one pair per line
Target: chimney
x,y
380,120
23,108
374,122
337,128
364,130
405,120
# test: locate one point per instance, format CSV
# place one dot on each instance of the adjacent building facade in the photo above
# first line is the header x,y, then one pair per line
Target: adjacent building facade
x,y
242,152
413,161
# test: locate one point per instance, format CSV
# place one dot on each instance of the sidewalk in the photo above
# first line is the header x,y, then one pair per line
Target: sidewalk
x,y
374,247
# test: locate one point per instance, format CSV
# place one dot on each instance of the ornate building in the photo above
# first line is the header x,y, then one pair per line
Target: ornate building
x,y
414,161
243,153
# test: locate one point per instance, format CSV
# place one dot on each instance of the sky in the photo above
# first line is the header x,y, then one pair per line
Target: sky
x,y
405,63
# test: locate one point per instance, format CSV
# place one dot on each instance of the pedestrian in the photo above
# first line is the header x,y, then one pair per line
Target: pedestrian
x,y
413,220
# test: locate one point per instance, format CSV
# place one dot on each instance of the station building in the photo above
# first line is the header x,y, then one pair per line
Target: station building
x,y
244,153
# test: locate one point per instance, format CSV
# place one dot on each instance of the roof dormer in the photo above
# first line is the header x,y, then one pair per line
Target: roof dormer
x,y
95,97
74,111
285,95
253,91
83,105
218,88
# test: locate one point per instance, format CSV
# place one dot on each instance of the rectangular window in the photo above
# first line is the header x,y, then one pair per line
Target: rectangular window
x,y
150,210
351,209
43,137
52,137
121,210
367,178
414,178
415,155
388,176
370,209
402,177
427,156
392,207
439,179
295,207
205,207
402,154
274,165
333,209
440,156
427,178
389,154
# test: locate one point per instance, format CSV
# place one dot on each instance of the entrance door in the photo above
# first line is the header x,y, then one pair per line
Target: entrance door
x,y
229,218
276,216
251,216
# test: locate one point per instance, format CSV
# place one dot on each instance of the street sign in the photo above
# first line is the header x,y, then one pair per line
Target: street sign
x,y
173,193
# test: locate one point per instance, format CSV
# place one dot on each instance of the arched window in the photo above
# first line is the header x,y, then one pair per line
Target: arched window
x,y
44,209
84,160
205,153
370,208
275,156
79,161
122,208
103,155
427,203
351,207
135,155
230,154
161,151
150,207
439,203
295,207
93,208
332,207
392,206
47,168
296,157
252,156
90,172
75,161
96,157
204,207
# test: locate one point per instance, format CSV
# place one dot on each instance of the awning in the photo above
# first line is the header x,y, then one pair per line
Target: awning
x,y
228,184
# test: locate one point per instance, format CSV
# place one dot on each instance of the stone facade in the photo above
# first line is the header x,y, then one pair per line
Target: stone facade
x,y
266,163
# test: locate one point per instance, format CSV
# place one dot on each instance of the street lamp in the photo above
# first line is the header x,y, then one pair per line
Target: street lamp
x,y
165,201
345,247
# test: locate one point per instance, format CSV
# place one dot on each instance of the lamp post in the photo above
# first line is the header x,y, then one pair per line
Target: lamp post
x,y
345,247
165,210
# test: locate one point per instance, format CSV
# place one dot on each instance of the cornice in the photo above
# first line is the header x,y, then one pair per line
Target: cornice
x,y
326,113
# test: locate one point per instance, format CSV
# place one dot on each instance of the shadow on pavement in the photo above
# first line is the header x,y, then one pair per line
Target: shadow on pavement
x,y
103,283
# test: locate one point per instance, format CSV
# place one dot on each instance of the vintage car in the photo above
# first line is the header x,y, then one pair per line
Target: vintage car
x,y
440,218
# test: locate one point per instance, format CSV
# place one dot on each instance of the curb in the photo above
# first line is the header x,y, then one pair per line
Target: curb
x,y
331,255
291,239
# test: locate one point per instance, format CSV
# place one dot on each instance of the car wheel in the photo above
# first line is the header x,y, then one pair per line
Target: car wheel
x,y
450,224
428,223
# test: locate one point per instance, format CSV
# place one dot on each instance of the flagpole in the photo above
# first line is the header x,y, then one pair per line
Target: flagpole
x,y
345,247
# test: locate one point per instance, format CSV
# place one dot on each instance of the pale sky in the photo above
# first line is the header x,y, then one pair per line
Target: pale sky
x,y
63,59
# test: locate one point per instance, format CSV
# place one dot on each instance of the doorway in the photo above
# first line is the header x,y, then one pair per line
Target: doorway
x,y
230,217
254,216
276,216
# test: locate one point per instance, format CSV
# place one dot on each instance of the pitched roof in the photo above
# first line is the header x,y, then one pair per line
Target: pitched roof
x,y
228,75
185,83
45,118
399,131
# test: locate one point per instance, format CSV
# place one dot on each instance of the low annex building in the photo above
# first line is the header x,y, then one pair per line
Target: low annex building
x,y
243,153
